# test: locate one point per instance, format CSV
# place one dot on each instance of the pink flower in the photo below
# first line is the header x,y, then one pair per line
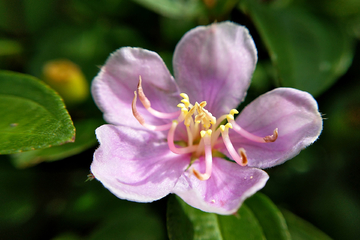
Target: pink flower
x,y
181,137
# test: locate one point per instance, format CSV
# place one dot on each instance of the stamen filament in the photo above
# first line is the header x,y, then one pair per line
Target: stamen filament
x,y
190,136
141,120
170,140
206,135
252,137
146,102
240,156
164,115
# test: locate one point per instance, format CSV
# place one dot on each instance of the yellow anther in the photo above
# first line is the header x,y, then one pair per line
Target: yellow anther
x,y
203,133
184,95
222,128
233,111
229,117
184,110
225,127
203,104
181,105
186,102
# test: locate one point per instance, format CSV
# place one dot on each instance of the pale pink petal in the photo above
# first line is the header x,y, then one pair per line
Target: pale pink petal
x,y
226,189
135,164
215,63
295,113
113,88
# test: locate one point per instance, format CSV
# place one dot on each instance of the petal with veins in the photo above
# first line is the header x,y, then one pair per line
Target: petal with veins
x,y
215,64
226,189
295,114
135,165
113,88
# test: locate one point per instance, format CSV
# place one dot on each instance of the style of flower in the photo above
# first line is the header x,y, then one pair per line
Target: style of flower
x,y
184,136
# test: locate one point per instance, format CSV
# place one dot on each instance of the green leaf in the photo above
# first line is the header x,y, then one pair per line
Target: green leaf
x,y
85,138
258,218
130,221
178,223
269,217
33,116
308,51
184,9
301,229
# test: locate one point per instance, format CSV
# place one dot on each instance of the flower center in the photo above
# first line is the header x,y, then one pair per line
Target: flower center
x,y
203,131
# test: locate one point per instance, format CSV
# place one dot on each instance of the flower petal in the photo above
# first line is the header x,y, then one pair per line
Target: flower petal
x,y
113,88
295,114
135,164
215,64
226,189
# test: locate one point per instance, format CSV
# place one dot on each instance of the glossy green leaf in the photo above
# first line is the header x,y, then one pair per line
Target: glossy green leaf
x,y
301,229
85,138
309,52
173,9
258,218
269,217
32,115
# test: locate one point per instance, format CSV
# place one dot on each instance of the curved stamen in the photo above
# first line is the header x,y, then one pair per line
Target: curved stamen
x,y
206,135
272,138
141,120
170,140
239,157
250,136
146,102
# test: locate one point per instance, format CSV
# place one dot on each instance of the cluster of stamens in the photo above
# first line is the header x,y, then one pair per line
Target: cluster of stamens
x,y
203,131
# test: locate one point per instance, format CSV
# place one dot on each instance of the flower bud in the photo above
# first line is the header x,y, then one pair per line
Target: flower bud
x,y
67,79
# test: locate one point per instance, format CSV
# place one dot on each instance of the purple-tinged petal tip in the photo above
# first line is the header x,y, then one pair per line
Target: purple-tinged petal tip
x,y
135,165
293,112
113,88
215,63
226,189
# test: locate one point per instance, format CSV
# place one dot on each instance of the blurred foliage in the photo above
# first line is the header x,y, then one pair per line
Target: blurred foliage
x,y
310,45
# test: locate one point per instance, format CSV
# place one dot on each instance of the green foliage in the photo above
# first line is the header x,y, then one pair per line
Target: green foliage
x,y
85,138
173,9
300,229
33,116
308,51
258,218
304,44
